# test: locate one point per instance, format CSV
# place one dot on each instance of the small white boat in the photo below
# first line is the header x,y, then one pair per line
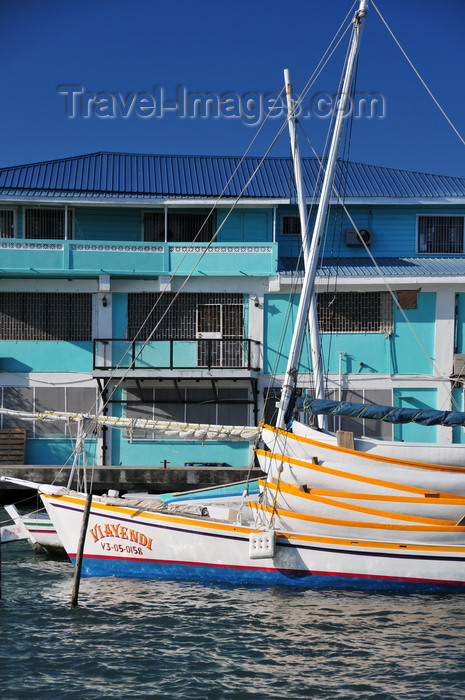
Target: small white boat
x,y
38,529
306,455
426,508
383,530
445,454
12,533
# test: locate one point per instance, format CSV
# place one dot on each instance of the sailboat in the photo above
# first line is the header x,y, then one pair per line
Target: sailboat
x,y
396,527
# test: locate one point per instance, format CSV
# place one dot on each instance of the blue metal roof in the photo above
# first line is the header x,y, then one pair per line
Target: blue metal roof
x,y
139,176
365,267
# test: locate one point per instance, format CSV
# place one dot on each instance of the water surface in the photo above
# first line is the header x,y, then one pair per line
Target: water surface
x,y
159,639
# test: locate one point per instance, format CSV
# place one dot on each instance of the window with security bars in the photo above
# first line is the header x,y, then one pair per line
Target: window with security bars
x,y
291,225
48,223
219,327
214,320
355,312
440,234
7,223
45,316
182,227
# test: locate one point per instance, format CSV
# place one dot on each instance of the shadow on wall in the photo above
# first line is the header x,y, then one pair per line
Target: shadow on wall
x,y
11,364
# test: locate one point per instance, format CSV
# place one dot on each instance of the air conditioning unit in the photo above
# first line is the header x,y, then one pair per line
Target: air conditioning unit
x,y
352,238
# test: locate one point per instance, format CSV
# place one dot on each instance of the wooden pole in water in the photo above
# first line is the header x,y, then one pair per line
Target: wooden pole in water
x,y
80,551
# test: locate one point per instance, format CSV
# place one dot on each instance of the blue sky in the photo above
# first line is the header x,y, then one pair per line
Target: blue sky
x,y
127,48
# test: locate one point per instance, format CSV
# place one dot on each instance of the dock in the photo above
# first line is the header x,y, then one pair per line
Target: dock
x,y
127,478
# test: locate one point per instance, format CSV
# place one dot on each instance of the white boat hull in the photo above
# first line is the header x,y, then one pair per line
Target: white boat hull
x,y
450,454
368,507
382,531
357,466
12,533
38,529
124,541
42,533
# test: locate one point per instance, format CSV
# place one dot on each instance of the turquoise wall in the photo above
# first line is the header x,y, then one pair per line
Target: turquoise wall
x,y
119,315
57,451
245,225
460,323
407,356
125,224
139,452
393,230
149,452
417,398
366,353
279,319
458,405
107,224
119,224
362,352
45,356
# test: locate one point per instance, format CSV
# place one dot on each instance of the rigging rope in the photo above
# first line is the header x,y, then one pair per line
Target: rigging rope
x,y
428,90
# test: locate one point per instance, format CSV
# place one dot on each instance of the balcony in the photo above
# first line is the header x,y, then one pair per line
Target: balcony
x,y
88,258
153,358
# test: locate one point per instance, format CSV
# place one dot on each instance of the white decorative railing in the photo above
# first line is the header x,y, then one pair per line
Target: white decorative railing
x,y
116,248
24,245
220,249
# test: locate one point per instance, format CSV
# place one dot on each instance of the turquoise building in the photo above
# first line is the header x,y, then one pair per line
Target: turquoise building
x,y
159,286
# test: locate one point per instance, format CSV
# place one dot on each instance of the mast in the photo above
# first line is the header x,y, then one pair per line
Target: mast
x,y
313,316
290,377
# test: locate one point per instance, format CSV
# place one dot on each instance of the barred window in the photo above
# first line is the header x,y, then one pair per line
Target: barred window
x,y
180,318
45,316
183,227
440,234
7,223
47,223
355,312
291,224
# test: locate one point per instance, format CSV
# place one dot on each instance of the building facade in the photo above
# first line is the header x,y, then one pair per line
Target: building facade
x,y
159,286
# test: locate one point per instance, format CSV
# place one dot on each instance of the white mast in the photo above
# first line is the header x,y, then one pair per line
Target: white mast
x,y
320,223
313,316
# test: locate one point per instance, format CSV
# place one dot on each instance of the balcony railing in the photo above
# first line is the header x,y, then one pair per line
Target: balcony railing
x,y
186,354
77,258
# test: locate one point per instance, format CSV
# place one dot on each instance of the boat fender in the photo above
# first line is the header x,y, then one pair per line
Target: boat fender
x,y
262,544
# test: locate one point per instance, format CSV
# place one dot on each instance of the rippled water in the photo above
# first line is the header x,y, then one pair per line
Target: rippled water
x,y
132,639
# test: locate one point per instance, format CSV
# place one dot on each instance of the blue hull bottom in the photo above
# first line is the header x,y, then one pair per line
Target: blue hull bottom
x,y
153,570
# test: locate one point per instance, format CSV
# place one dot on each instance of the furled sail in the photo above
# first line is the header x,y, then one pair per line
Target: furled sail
x,y
389,414
167,429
